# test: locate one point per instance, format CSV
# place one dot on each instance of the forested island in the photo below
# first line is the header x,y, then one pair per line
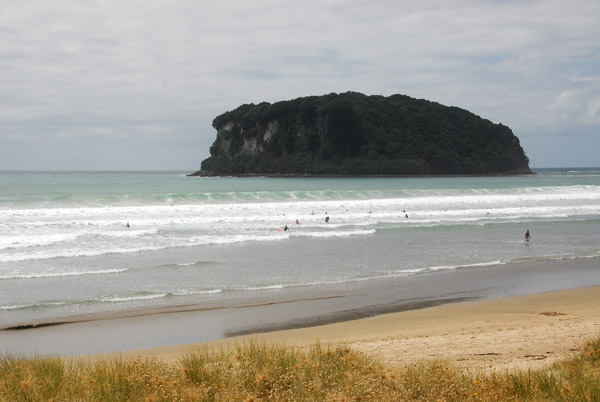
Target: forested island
x,y
352,134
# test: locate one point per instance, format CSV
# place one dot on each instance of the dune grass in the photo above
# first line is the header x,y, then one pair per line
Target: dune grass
x,y
266,372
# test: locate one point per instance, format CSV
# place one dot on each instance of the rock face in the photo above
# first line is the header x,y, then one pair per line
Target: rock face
x,y
352,134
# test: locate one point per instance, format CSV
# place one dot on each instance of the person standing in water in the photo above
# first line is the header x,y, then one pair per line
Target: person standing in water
x,y
527,236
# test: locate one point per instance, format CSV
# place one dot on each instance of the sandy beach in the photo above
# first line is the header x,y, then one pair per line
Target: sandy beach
x,y
502,334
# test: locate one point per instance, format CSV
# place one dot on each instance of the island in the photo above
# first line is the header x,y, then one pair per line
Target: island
x,y
352,134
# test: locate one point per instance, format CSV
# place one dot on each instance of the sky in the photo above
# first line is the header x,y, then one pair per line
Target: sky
x,y
135,84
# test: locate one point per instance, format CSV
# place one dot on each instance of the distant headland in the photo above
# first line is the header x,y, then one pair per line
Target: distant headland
x,y
352,134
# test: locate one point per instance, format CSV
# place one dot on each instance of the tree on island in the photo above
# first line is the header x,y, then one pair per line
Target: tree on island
x,y
353,134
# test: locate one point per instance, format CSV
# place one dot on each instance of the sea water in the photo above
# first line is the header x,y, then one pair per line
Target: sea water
x,y
76,244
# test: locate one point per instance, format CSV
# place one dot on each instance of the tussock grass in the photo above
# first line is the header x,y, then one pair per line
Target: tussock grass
x,y
267,372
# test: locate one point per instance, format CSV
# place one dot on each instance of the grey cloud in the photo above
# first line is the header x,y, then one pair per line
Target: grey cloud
x,y
119,73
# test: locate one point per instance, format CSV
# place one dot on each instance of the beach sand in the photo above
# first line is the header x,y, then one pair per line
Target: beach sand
x,y
502,334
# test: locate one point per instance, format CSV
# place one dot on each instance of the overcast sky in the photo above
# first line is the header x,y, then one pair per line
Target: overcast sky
x,y
135,84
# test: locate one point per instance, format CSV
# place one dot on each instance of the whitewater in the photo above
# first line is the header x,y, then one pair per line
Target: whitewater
x,y
75,244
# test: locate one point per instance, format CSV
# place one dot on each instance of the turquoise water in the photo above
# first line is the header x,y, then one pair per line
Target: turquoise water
x,y
75,243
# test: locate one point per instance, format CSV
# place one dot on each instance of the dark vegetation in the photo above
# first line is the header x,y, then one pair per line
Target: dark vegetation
x,y
354,134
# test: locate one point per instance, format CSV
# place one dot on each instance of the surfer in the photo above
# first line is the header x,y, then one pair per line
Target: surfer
x,y
285,229
297,222
527,236
326,219
127,224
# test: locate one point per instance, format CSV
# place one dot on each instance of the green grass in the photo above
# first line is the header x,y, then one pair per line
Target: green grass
x,y
268,372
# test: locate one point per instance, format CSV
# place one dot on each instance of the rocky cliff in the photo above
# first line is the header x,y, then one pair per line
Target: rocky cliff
x,y
354,134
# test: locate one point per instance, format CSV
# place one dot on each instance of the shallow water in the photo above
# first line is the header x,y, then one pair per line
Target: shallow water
x,y
65,249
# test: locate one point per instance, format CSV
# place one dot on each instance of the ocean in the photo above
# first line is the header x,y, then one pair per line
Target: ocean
x,y
97,244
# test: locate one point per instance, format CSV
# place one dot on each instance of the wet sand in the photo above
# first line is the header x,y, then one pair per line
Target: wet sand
x,y
505,316
503,334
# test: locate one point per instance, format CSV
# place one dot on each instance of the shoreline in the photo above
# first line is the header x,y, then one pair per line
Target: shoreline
x,y
371,297
300,309
201,173
520,332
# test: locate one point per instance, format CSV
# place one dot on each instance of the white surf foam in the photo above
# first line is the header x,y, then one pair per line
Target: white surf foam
x,y
62,274
344,233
